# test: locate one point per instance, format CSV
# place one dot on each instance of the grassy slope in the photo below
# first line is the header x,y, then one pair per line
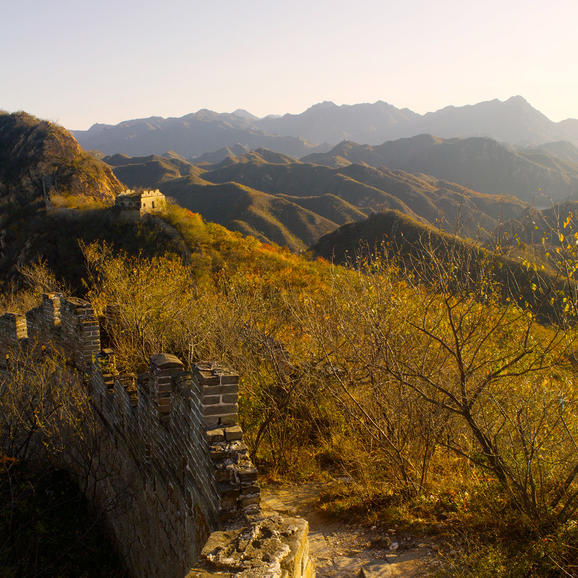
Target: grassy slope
x,y
150,171
253,212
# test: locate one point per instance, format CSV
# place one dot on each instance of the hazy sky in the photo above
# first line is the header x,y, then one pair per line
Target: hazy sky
x,y
78,62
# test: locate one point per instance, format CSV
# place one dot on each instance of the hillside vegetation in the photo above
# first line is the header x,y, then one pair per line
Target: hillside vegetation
x,y
541,284
443,403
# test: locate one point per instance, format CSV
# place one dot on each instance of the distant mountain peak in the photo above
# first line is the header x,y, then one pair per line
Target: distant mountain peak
x,y
244,114
344,145
326,104
517,99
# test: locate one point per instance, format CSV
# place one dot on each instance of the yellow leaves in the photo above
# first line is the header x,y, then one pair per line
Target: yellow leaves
x,y
561,237
6,462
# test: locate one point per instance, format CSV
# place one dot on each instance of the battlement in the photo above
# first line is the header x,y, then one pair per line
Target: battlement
x,y
170,439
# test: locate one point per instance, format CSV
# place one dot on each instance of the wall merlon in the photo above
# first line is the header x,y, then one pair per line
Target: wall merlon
x,y
13,329
51,305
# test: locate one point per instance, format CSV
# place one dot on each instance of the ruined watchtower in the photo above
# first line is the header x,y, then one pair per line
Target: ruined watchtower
x,y
141,202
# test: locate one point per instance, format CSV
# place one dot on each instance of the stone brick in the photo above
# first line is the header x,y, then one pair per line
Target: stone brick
x,y
208,379
211,399
247,474
233,433
221,409
229,420
229,379
220,389
211,421
215,435
229,398
249,500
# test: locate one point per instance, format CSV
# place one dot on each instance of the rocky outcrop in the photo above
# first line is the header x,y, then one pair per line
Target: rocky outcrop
x,y
38,158
275,547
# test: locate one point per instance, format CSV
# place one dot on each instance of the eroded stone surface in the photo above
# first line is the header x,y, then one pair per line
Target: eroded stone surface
x,y
274,547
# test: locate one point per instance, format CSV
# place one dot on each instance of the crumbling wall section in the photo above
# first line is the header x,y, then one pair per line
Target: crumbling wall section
x,y
171,465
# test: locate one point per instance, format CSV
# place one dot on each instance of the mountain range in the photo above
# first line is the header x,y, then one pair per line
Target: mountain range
x,y
324,125
281,199
191,135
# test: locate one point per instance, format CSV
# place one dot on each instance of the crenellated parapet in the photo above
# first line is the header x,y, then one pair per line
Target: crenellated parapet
x,y
68,324
171,442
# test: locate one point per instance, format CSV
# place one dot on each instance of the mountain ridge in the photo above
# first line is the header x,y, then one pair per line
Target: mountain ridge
x,y
324,125
537,174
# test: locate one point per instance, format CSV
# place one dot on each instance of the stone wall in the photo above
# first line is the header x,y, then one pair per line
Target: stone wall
x,y
173,467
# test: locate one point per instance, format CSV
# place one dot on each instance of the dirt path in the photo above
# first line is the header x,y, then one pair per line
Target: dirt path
x,y
349,551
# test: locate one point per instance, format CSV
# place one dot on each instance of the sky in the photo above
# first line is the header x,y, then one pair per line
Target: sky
x,y
77,62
